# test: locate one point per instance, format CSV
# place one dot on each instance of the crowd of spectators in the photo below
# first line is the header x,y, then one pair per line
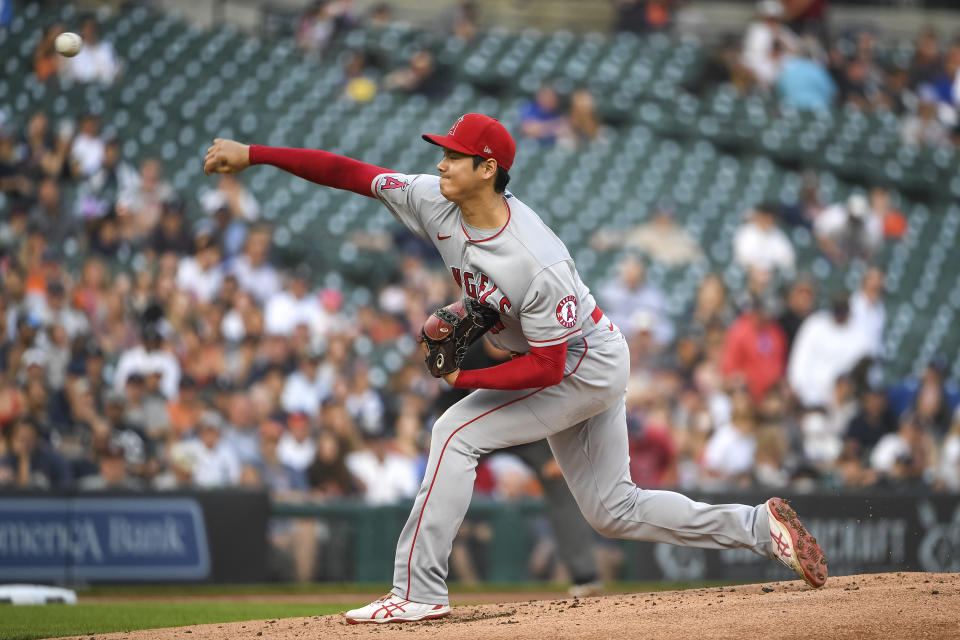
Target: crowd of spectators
x,y
150,340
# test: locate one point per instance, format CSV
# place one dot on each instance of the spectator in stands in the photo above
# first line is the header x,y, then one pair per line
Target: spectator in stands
x,y
804,83
46,60
216,465
358,84
949,472
760,244
296,306
381,15
306,388
711,307
112,473
583,124
234,197
541,118
97,60
729,455
872,422
171,234
58,313
661,239
894,222
860,78
801,301
421,76
30,464
98,194
755,349
14,177
866,309
849,230
386,477
766,40
297,447
923,128
281,480
140,205
907,456
46,154
88,148
630,293
241,431
947,84
201,275
807,17
926,63
905,395
363,402
642,16
48,214
315,28
653,450
827,346
253,271
150,358
328,474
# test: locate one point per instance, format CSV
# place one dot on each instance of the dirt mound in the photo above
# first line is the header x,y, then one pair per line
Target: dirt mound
x,y
908,605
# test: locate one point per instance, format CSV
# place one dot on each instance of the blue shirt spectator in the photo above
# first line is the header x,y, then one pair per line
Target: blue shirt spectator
x,y
805,84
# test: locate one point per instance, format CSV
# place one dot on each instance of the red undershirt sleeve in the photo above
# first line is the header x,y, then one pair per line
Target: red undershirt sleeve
x,y
322,167
542,367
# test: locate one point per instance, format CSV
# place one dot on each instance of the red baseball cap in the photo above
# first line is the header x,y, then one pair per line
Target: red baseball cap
x,y
478,135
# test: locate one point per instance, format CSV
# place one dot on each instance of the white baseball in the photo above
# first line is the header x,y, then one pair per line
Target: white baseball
x,y
68,44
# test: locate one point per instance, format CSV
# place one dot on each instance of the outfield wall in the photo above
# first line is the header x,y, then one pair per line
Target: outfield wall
x,y
229,536
64,538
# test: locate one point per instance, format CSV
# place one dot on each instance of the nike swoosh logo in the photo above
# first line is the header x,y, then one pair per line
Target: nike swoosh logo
x,y
440,237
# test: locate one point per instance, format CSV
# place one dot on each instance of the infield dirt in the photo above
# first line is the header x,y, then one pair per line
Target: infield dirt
x,y
902,605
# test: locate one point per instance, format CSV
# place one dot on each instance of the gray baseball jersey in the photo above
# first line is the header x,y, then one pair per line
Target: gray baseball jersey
x,y
526,273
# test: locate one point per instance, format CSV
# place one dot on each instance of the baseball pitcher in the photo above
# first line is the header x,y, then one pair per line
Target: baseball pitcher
x,y
568,386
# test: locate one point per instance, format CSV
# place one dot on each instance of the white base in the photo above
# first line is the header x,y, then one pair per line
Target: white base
x,y
36,594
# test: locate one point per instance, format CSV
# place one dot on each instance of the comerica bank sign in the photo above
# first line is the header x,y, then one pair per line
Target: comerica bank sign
x,y
124,539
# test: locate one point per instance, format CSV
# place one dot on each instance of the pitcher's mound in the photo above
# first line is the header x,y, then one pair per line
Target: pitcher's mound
x,y
903,605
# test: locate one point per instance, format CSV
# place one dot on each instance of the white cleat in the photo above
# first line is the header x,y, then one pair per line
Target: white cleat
x,y
795,547
391,608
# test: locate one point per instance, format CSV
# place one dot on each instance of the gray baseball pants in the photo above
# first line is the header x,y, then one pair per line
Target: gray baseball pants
x,y
583,419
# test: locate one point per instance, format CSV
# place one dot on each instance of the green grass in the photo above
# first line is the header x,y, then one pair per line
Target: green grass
x,y
371,588
30,622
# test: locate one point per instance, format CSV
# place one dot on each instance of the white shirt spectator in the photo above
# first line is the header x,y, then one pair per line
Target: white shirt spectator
x,y
950,462
887,451
202,284
138,360
758,55
261,281
729,451
366,408
87,152
869,318
768,249
303,394
389,480
284,312
621,303
96,62
822,351
294,454
834,222
216,467
249,208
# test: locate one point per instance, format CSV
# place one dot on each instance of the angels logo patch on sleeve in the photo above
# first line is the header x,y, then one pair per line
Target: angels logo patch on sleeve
x,y
567,312
392,183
